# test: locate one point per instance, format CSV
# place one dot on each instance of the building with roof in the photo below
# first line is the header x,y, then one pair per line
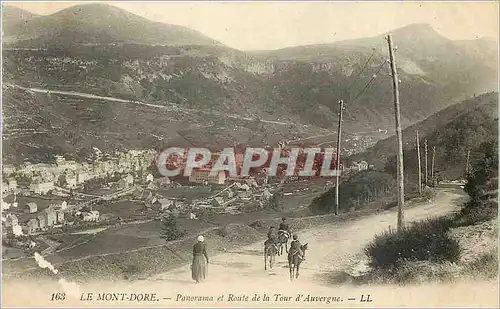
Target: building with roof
x,y
91,216
203,175
42,223
8,169
60,216
71,182
123,184
30,208
50,216
130,179
31,226
12,183
63,205
81,177
41,187
11,220
164,204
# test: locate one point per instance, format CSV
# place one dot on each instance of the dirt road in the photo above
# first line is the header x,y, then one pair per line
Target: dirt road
x,y
331,247
170,107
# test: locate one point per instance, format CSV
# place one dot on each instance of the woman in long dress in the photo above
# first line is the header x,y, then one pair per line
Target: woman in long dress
x,y
200,260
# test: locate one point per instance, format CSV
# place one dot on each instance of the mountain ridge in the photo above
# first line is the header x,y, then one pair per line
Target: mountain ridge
x,y
453,130
103,24
191,73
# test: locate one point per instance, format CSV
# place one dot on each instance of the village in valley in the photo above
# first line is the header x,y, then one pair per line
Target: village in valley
x,y
67,197
175,155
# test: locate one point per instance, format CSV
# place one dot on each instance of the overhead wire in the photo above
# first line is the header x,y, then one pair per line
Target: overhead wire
x,y
360,72
346,91
370,81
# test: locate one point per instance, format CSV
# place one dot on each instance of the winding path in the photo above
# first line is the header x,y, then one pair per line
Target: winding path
x,y
332,248
164,107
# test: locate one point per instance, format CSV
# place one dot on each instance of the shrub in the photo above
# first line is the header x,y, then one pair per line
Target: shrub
x,y
485,266
170,229
425,240
417,272
428,193
474,213
361,188
274,202
206,213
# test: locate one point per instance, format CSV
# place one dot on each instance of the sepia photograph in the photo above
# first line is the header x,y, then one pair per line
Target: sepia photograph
x,y
260,154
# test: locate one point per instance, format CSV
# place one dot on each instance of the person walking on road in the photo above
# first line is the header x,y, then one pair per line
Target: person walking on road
x,y
200,260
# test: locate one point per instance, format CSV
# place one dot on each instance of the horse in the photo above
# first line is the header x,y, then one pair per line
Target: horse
x,y
294,261
270,250
283,238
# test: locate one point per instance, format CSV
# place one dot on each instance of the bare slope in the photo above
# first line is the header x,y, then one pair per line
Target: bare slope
x,y
90,49
453,130
99,24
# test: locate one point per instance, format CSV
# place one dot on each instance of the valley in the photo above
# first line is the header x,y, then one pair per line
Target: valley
x,y
210,82
93,93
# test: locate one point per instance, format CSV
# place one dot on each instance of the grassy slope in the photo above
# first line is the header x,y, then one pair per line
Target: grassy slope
x,y
357,192
453,130
457,245
298,87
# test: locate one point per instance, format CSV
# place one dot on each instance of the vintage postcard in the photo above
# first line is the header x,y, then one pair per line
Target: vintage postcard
x,y
249,154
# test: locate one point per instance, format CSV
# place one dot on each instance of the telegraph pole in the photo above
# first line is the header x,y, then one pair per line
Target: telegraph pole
x,y
432,164
426,170
467,164
339,132
419,167
400,174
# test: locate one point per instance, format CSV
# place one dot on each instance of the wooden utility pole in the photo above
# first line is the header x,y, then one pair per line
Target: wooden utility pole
x,y
426,170
337,165
419,167
400,174
467,164
433,161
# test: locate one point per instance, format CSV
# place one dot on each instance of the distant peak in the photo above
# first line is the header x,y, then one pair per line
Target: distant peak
x,y
419,29
418,26
91,6
95,9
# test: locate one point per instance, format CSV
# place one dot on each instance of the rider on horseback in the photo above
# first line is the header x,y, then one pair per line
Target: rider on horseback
x,y
284,228
295,247
272,238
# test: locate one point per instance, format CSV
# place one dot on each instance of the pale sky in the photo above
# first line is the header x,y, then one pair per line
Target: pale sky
x,y
272,25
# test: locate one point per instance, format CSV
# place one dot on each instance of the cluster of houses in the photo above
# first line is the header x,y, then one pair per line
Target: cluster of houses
x,y
70,174
31,220
44,178
237,191
240,192
88,216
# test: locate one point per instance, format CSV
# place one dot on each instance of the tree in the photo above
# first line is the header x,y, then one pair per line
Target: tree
x,y
61,181
170,229
482,180
274,202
